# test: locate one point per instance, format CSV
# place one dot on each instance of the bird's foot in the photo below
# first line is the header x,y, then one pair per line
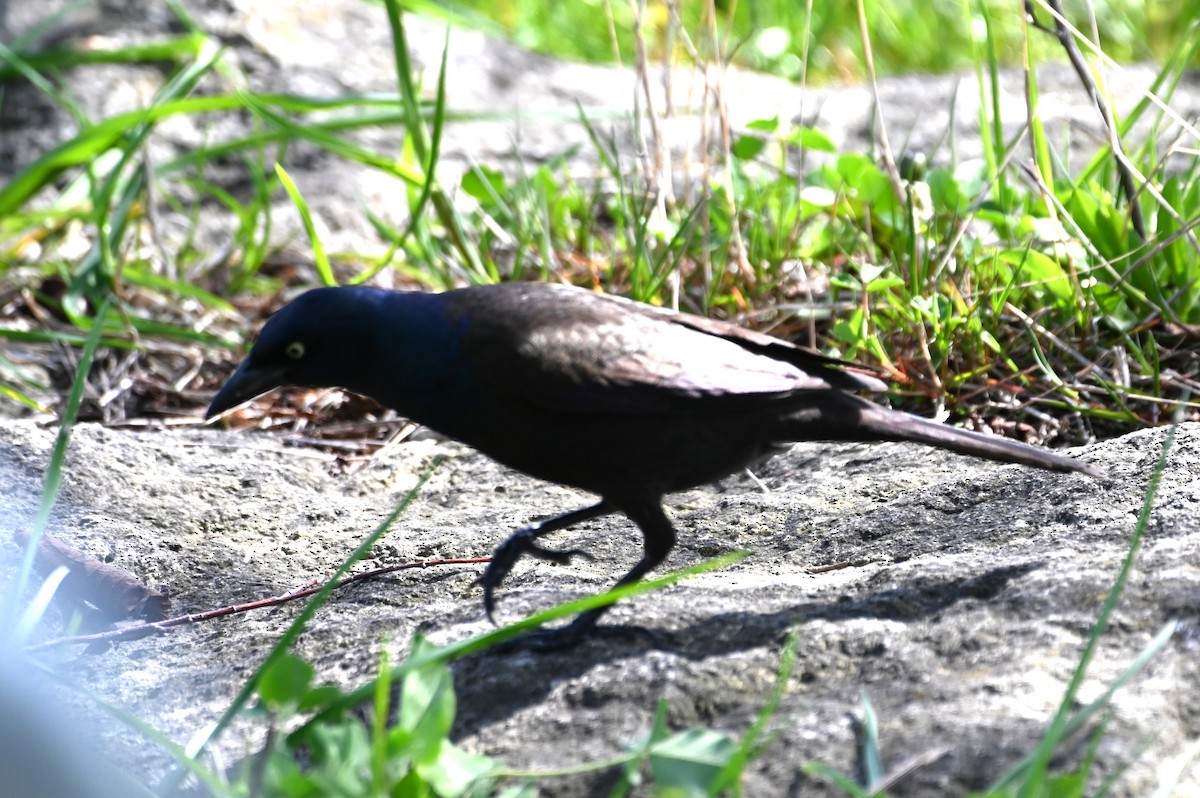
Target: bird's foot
x,y
522,542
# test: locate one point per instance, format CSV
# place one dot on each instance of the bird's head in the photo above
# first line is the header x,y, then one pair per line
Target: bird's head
x,y
324,338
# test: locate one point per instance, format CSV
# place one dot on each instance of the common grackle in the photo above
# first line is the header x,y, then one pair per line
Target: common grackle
x,y
621,399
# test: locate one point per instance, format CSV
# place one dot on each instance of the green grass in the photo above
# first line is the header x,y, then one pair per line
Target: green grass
x,y
1012,294
773,35
985,287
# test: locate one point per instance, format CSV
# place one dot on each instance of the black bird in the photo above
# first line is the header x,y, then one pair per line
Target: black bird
x,y
618,398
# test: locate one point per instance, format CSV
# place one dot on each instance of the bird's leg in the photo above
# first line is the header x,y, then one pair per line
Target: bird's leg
x,y
523,542
658,538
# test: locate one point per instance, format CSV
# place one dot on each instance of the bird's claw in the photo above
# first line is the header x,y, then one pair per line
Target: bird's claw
x,y
557,556
522,542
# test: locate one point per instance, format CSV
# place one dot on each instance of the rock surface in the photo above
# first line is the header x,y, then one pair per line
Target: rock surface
x,y
963,625
976,588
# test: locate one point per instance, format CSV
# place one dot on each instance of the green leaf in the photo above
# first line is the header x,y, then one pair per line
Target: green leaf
x,y
341,755
860,173
851,329
1100,219
454,771
175,49
1114,305
990,341
134,273
765,125
883,284
691,760
945,191
286,777
410,785
485,184
320,259
747,148
285,682
871,271
317,698
810,138
20,397
935,308
1041,273
427,704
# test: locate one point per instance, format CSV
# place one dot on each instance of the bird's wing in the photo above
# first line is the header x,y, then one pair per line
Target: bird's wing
x,y
577,351
839,373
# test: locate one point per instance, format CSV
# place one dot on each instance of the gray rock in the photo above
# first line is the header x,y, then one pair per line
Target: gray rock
x,y
963,625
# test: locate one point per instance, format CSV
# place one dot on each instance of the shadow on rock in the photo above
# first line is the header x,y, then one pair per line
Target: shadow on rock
x,y
495,684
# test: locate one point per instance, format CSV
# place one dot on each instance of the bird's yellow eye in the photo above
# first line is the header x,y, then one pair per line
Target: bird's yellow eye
x,y
295,350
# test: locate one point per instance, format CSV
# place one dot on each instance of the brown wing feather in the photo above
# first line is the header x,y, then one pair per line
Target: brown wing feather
x,y
573,349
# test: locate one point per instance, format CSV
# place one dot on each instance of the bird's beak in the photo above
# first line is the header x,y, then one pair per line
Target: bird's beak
x,y
245,384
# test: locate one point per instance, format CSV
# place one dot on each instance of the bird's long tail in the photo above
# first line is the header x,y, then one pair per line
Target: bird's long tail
x,y
874,422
